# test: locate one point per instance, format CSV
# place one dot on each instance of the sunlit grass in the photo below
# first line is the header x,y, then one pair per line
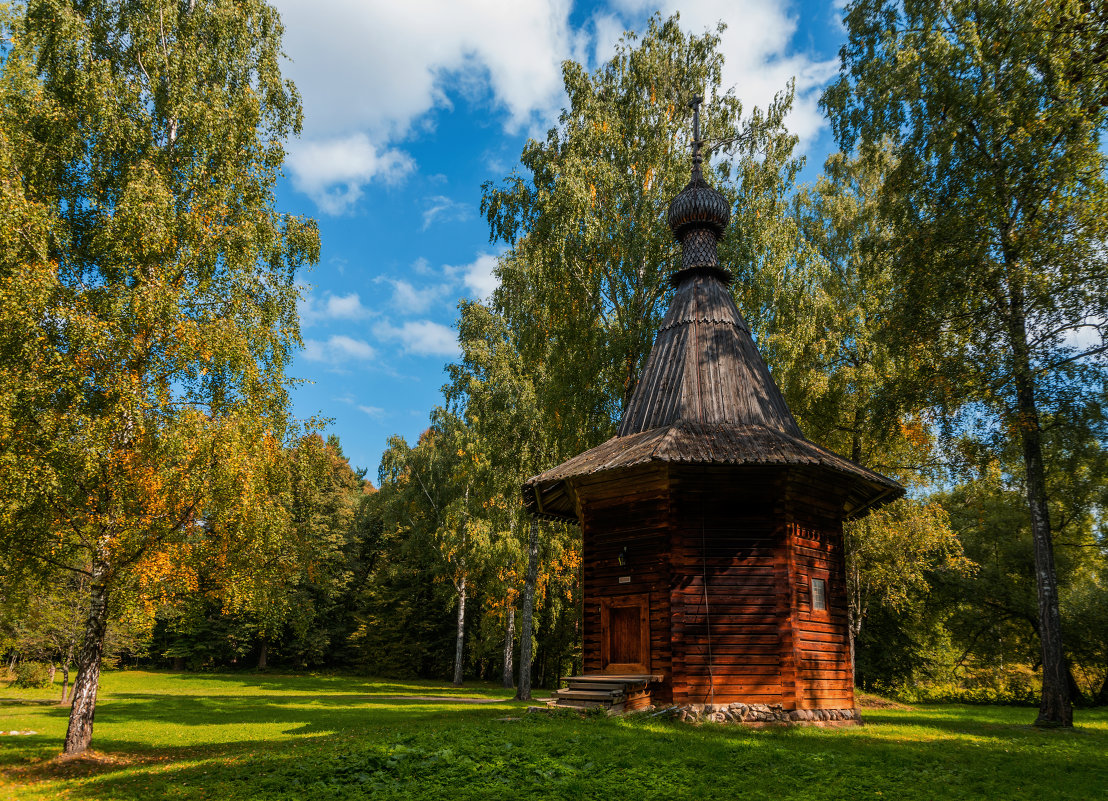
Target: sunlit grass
x,y
244,736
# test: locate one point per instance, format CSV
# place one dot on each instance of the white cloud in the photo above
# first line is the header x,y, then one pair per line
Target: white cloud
x,y
373,411
422,267
378,65
421,337
408,299
344,307
332,307
479,277
332,171
371,71
338,350
442,209
607,29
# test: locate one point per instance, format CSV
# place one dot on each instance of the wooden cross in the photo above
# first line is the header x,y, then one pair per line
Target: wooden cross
x,y
694,104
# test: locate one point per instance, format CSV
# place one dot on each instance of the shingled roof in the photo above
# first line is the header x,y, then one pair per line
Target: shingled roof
x,y
705,369
705,395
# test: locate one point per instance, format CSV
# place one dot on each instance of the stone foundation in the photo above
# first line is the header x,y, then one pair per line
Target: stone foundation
x,y
762,714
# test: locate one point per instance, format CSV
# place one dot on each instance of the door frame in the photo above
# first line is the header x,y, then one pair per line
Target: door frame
x,y
642,601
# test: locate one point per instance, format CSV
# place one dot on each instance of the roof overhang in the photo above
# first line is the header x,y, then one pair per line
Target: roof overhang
x,y
551,494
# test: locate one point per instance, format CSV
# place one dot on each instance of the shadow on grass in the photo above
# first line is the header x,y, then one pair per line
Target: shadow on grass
x,y
412,753
358,685
30,702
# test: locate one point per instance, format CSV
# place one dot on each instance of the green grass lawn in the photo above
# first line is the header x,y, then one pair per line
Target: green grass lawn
x,y
240,736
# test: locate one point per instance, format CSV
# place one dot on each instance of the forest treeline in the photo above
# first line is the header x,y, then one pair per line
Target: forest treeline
x,y
933,307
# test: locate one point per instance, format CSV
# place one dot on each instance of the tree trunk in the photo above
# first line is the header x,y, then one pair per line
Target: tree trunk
x,y
855,607
509,648
523,688
65,678
1077,698
459,645
855,611
542,635
53,672
263,652
79,735
1056,708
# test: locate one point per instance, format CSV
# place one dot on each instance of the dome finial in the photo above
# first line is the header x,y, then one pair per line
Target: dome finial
x,y
698,216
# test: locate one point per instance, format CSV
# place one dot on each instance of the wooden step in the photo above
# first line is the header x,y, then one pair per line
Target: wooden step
x,y
582,704
603,682
586,695
615,693
588,706
597,687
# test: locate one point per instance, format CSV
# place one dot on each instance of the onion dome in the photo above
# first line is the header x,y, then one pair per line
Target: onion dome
x,y
698,217
699,206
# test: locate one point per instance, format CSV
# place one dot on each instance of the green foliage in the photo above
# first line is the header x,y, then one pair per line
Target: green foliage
x,y
401,623
993,614
32,675
1013,688
894,556
994,114
293,608
142,416
824,317
152,136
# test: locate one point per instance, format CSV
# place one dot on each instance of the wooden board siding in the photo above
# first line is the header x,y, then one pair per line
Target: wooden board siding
x,y
823,644
726,641
631,513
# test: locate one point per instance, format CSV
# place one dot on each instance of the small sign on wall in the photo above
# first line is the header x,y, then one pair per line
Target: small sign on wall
x,y
624,579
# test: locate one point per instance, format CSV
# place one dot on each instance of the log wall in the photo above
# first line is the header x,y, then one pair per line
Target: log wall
x,y
726,557
726,592
825,678
824,671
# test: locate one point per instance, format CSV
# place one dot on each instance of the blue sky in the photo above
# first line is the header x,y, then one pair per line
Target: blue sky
x,y
408,108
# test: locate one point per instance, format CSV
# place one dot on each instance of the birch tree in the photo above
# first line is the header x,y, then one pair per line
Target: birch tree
x,y
143,417
494,391
995,113
583,286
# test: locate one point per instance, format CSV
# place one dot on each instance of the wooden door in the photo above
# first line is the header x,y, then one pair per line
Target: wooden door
x,y
625,634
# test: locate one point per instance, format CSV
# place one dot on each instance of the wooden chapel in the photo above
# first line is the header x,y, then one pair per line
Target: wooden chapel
x,y
713,568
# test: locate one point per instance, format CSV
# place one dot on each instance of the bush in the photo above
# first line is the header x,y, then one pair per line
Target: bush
x,y
32,675
1011,687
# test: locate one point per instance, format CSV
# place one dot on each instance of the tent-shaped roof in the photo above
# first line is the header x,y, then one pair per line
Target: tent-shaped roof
x,y
705,369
